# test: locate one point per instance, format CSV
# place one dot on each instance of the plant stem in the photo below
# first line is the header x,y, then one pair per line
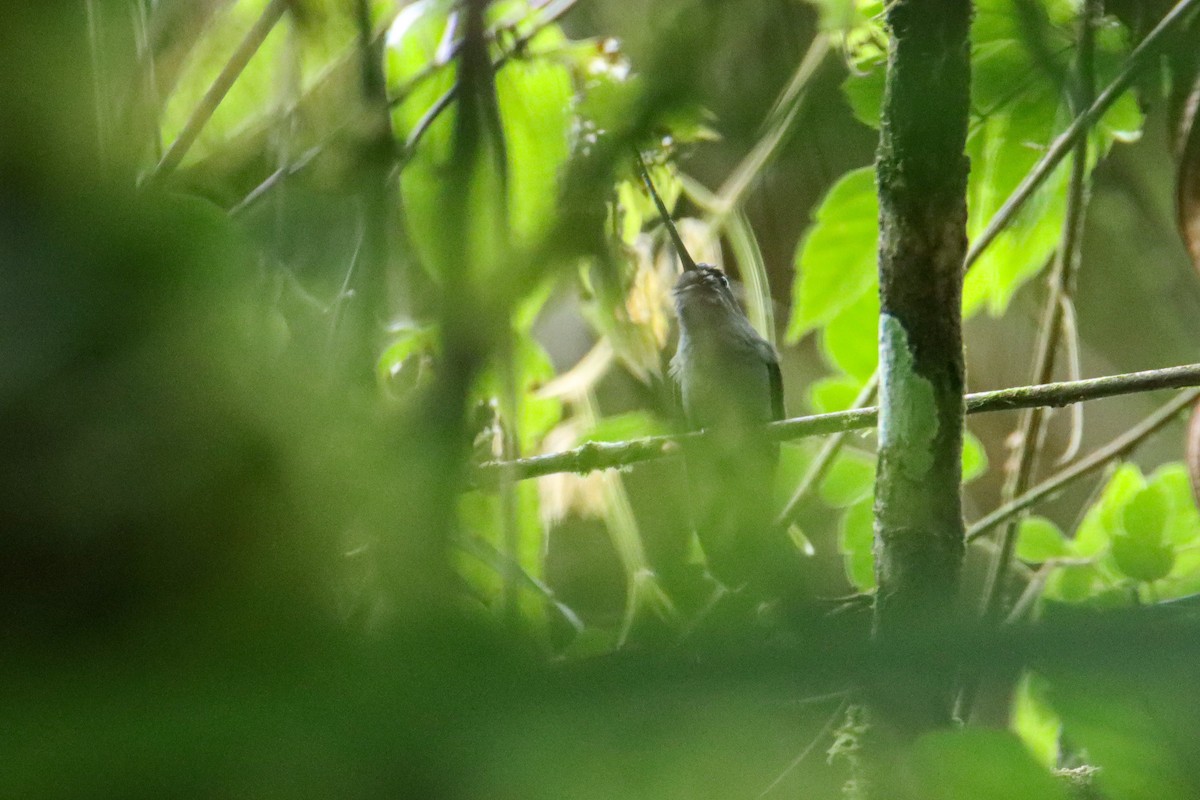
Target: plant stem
x,y
824,460
1140,57
1058,150
229,74
608,455
552,13
1030,429
1115,449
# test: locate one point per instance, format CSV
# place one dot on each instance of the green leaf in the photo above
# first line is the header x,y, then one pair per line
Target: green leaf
x,y
864,90
1103,520
1000,158
836,259
402,357
833,394
842,15
535,112
974,458
1073,583
851,479
977,764
481,515
794,461
1183,524
501,210
1144,516
856,538
1012,124
1139,725
1039,539
1142,560
850,341
249,101
1138,549
623,427
1035,721
534,415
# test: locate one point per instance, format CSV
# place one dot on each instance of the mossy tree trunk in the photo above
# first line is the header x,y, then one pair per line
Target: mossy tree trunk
x,y
922,181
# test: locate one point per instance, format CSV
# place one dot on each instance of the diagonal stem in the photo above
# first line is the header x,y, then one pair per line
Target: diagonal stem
x,y
224,81
1063,145
1061,278
1141,57
1115,449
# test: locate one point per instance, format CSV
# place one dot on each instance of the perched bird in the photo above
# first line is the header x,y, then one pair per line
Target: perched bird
x,y
731,387
728,375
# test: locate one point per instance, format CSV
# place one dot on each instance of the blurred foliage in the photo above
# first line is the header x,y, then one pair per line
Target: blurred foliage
x,y
243,554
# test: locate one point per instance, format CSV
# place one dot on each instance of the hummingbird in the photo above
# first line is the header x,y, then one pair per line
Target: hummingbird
x,y
730,387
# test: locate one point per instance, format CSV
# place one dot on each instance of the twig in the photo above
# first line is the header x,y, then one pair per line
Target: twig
x,y
1115,449
220,87
821,734
824,460
274,178
554,12
1064,143
606,455
1031,426
1146,49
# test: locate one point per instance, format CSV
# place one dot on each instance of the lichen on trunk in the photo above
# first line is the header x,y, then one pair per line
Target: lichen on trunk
x,y
921,172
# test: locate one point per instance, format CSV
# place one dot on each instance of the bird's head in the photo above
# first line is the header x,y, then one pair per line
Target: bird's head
x,y
703,293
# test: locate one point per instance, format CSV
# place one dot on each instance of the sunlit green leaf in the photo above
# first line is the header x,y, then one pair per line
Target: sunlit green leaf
x,y
1012,125
506,204
850,480
978,764
623,427
1035,722
850,341
535,110
1039,539
856,536
975,460
835,262
1138,549
1183,522
248,102
1103,520
833,394
1073,583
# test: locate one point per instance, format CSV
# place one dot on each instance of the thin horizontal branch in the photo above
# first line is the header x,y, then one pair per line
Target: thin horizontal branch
x,y
1115,449
606,455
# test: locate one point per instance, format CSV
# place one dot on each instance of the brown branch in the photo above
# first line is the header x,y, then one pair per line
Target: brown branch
x,y
609,455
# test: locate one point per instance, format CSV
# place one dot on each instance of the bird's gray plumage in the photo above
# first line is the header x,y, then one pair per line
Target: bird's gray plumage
x,y
727,374
730,386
